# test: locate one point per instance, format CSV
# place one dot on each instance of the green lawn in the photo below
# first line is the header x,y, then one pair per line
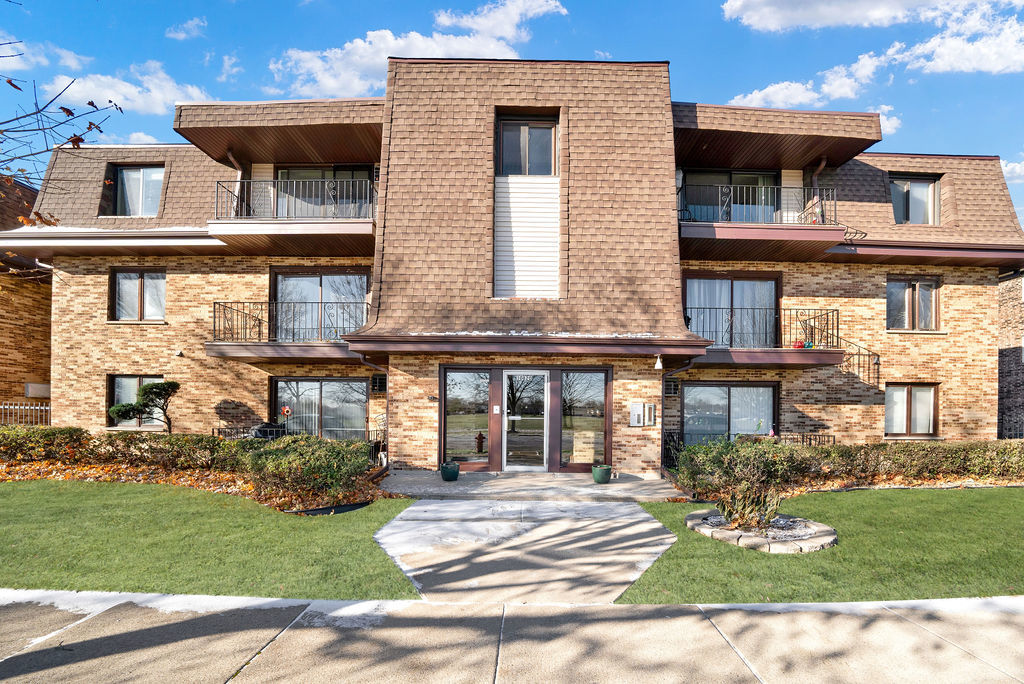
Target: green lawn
x,y
895,544
158,538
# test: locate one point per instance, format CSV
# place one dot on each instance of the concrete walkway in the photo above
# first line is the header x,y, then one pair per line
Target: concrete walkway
x,y
92,636
421,484
524,551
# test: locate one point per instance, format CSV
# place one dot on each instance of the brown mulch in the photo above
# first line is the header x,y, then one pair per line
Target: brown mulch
x,y
235,484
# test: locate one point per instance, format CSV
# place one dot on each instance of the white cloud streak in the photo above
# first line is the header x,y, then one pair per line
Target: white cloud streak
x,y
193,28
229,69
890,122
146,89
359,66
1014,171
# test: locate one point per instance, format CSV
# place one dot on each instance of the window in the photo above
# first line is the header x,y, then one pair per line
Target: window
x,y
124,389
914,200
466,403
671,387
740,312
313,306
333,408
137,294
741,196
138,190
527,148
910,410
911,303
583,417
724,411
324,192
379,383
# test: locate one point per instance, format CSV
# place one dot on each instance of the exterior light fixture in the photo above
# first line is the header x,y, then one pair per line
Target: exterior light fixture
x,y
657,363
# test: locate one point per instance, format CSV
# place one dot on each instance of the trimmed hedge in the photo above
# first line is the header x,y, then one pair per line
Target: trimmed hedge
x,y
293,462
711,467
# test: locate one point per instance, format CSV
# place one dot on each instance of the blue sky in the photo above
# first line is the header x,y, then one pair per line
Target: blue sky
x,y
947,75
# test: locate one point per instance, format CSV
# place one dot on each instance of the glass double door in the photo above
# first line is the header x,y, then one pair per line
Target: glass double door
x,y
318,307
524,417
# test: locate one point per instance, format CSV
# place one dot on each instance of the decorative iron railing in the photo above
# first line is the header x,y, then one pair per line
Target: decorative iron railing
x,y
770,204
286,321
862,362
24,413
766,328
296,199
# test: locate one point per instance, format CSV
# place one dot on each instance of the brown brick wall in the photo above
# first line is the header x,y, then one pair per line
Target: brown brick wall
x,y
963,360
436,212
74,187
24,335
1011,366
414,419
214,392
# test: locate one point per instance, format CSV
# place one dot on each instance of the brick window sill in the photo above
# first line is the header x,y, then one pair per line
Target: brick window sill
x,y
136,322
917,332
144,428
915,438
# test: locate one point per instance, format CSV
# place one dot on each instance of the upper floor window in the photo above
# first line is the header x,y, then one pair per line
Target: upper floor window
x,y
318,305
914,200
911,303
733,312
324,192
138,190
527,148
137,294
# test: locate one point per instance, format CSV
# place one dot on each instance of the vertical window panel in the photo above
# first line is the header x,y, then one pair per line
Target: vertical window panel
x,y
922,403
896,410
541,150
583,417
466,403
925,305
751,410
126,296
512,152
154,292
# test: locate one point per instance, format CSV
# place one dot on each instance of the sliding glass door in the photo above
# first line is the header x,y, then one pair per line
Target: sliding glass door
x,y
313,307
737,312
329,408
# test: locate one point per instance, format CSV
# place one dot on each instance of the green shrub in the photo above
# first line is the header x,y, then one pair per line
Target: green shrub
x,y
306,462
68,444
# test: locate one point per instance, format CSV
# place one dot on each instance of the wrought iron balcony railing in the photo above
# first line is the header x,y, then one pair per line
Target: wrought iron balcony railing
x,y
286,321
766,328
757,204
296,199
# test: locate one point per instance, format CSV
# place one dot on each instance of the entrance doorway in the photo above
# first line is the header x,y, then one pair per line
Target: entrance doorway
x,y
524,413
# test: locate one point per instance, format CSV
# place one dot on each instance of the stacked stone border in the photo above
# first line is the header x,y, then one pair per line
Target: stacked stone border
x,y
822,536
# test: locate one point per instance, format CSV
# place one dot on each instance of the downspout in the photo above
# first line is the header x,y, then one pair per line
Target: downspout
x,y
818,209
238,181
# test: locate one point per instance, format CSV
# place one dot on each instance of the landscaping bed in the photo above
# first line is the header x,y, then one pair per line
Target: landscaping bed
x,y
295,472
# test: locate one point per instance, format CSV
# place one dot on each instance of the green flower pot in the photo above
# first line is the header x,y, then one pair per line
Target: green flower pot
x,y
602,474
450,471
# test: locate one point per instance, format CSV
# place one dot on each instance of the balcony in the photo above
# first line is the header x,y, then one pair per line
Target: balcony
x,y
328,217
758,205
269,331
768,337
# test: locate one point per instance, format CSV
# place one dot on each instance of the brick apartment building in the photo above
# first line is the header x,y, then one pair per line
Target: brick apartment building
x,y
529,265
24,314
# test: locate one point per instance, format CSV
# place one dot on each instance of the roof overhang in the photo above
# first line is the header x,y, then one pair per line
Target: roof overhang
x,y
527,344
335,132
722,136
336,237
264,352
772,358
734,241
933,254
60,241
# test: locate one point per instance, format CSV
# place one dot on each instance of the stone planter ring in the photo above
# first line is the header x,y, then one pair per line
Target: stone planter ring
x,y
787,534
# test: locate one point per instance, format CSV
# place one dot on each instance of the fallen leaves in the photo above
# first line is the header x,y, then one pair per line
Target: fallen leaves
x,y
219,482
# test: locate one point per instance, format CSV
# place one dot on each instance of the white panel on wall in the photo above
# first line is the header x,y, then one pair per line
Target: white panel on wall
x,y
526,239
261,198
791,201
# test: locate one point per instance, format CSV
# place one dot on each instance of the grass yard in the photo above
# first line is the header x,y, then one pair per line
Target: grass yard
x,y
895,544
159,538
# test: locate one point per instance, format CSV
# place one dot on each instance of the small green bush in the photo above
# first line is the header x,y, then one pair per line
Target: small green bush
x,y
306,462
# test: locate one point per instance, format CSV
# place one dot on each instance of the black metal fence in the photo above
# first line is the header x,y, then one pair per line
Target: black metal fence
x,y
758,204
296,199
286,321
766,328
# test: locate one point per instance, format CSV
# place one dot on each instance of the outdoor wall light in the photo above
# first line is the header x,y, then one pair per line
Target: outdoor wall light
x,y
657,363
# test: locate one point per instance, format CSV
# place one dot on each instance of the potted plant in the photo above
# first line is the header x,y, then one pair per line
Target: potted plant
x,y
602,473
450,471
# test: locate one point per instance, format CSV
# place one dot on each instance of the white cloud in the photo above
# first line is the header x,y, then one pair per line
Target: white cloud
x,y
784,94
890,123
359,66
71,60
21,56
193,28
980,39
140,138
146,89
601,54
780,15
228,69
1014,171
